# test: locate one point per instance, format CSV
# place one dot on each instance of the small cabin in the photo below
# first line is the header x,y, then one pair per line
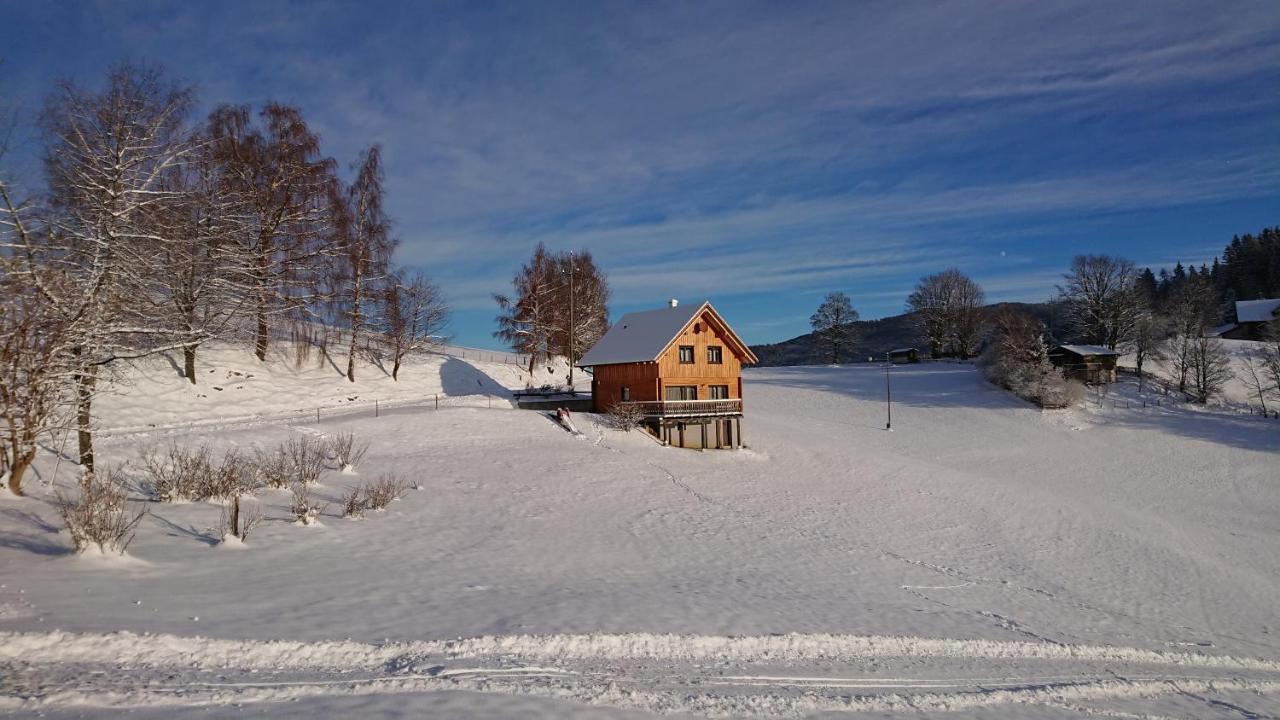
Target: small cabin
x,y
904,356
1091,364
681,367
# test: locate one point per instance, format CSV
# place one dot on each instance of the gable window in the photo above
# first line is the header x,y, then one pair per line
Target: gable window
x,y
719,392
626,393
715,354
686,354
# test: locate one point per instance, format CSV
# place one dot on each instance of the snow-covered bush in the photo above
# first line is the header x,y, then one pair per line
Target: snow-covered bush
x,y
346,452
178,473
303,507
383,491
99,516
624,416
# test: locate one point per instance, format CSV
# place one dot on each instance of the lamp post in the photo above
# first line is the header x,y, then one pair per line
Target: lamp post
x,y
888,395
572,324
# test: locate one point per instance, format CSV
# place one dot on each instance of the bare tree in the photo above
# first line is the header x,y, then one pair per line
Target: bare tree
x,y
1210,367
1255,375
1191,310
947,309
1102,300
527,317
1150,338
414,313
833,328
363,247
284,183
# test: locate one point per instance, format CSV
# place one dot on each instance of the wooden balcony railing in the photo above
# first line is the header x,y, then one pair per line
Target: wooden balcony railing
x,y
689,408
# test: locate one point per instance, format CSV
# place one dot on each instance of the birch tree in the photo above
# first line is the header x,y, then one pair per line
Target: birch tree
x,y
362,250
285,183
414,313
527,317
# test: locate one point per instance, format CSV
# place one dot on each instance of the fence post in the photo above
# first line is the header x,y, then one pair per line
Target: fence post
x,y
437,401
375,407
490,399
317,414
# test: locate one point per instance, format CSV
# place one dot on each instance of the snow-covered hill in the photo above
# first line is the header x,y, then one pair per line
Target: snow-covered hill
x,y
984,559
233,385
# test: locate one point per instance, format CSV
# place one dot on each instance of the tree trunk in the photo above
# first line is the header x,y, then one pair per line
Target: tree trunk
x,y
260,339
189,362
85,382
20,465
235,515
395,369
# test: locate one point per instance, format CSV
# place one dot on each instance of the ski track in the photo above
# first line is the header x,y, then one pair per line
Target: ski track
x,y
649,672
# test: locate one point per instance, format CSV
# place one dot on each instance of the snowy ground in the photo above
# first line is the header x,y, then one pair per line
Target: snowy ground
x,y
984,559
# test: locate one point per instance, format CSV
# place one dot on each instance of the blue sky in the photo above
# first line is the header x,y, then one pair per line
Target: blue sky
x,y
755,154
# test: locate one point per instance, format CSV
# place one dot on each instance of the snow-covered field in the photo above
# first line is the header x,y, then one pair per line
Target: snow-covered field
x,y
984,559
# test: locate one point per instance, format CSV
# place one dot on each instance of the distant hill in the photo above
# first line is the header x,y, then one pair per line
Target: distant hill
x,y
880,336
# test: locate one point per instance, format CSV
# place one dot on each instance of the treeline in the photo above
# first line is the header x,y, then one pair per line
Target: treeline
x,y
159,231
1248,269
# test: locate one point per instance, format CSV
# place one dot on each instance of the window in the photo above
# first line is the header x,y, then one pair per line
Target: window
x,y
626,393
686,354
719,392
682,392
714,354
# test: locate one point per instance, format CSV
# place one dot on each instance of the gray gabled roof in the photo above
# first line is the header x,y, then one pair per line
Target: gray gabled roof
x,y
1257,310
1087,349
640,336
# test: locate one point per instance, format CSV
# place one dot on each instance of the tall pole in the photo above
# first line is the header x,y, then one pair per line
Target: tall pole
x,y
573,329
888,396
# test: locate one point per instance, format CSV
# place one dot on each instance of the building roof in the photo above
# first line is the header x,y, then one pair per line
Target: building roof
x,y
901,350
644,336
1257,310
1087,349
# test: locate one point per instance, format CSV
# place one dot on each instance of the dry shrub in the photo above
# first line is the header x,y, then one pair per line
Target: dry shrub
x,y
353,503
175,472
99,516
383,491
240,519
303,507
624,416
296,460
345,451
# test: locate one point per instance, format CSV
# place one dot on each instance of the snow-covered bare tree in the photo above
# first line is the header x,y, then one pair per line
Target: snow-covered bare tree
x,y
1017,358
947,311
107,157
834,332
1255,375
1102,299
285,184
362,247
414,313
201,277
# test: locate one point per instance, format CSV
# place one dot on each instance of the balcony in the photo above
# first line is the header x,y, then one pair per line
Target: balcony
x,y
689,408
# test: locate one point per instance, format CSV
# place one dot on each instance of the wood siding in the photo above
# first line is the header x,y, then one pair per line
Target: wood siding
x,y
648,380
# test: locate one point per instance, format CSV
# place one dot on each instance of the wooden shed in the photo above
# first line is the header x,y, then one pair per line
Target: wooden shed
x,y
904,355
681,367
1093,364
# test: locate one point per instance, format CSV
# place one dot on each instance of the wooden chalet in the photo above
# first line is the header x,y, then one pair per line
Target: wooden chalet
x,y
904,355
681,367
1092,364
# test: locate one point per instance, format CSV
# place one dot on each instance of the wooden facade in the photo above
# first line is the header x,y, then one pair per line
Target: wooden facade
x,y
690,391
1089,364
